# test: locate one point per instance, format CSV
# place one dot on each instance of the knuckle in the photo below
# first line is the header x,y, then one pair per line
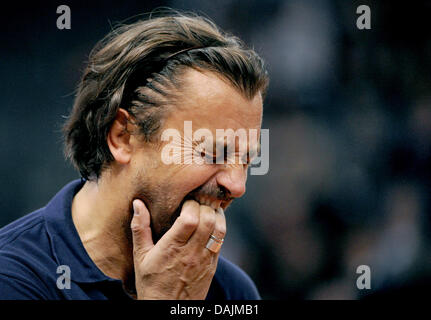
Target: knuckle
x,y
190,221
221,231
135,228
209,220
191,205
136,251
173,250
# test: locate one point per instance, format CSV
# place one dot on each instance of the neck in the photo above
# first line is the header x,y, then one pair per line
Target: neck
x,y
103,226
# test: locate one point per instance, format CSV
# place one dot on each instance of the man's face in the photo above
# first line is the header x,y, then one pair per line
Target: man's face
x,y
207,102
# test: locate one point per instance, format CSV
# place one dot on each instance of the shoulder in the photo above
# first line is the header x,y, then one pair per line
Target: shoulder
x,y
235,283
15,229
23,258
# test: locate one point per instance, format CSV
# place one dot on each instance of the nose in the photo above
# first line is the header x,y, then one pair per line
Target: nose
x,y
233,178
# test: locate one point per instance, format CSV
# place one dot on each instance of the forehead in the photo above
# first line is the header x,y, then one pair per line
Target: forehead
x,y
210,102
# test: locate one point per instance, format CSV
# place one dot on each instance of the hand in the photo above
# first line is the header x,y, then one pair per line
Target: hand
x,y
178,266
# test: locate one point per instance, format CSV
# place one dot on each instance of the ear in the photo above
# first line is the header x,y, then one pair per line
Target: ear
x,y
118,138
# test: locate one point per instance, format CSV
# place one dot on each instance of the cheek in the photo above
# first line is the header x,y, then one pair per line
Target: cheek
x,y
145,162
190,177
169,183
175,182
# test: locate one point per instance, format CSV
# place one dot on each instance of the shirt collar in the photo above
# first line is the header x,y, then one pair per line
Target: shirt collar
x,y
66,243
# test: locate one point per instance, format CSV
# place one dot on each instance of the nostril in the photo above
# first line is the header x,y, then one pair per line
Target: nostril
x,y
222,193
232,182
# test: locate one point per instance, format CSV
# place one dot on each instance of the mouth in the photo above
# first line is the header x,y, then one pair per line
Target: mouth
x,y
207,200
200,197
203,200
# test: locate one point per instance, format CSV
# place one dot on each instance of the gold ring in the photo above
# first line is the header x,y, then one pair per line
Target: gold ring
x,y
214,244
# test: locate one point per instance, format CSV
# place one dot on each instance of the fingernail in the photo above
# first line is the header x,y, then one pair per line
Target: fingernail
x,y
135,208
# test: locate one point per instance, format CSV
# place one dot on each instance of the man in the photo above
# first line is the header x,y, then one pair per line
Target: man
x,y
136,226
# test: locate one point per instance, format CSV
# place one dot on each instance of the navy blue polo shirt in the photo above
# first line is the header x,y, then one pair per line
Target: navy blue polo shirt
x,y
33,248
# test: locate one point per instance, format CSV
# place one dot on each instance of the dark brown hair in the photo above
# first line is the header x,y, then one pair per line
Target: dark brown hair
x,y
138,67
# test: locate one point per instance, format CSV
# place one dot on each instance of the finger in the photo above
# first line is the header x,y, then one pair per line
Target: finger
x,y
185,225
141,230
206,226
220,226
216,238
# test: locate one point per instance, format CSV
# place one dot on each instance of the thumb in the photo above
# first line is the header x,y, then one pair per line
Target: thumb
x,y
141,230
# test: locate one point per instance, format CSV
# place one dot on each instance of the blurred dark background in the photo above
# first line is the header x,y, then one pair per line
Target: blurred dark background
x,y
349,115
